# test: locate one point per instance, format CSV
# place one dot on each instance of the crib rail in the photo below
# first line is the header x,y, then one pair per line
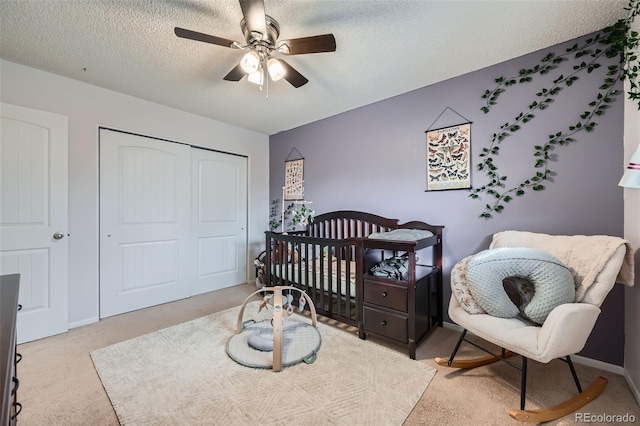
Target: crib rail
x,y
349,224
325,269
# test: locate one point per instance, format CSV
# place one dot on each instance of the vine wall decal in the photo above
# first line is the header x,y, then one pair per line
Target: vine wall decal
x,y
617,40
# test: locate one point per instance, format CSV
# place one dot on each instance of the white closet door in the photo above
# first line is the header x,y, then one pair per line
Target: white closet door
x,y
33,217
219,220
144,221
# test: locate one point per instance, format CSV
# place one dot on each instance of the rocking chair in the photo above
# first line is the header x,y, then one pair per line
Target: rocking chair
x,y
597,263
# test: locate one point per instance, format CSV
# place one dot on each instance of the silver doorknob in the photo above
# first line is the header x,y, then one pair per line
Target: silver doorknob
x,y
58,236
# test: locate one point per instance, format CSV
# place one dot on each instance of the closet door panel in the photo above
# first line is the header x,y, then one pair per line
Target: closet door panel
x,y
219,220
144,222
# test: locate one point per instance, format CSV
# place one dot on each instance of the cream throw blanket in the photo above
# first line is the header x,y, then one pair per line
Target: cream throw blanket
x,y
586,256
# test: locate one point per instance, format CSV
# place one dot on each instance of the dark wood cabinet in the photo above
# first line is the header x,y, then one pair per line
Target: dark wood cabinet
x,y
401,310
9,358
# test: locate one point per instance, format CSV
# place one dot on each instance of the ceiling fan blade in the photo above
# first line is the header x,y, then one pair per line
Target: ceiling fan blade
x,y
314,44
254,17
235,74
193,35
292,76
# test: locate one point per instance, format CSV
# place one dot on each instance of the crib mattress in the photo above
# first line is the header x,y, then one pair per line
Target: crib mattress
x,y
324,279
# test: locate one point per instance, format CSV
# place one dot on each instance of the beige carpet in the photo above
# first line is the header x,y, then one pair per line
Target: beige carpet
x,y
59,385
182,375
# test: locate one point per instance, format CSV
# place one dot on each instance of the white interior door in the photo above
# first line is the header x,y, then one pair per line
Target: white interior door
x,y
144,221
33,216
219,220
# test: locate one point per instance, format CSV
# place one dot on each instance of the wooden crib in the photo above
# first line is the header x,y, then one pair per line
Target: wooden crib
x,y
331,260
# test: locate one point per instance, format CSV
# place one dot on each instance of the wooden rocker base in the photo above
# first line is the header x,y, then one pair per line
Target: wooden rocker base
x,y
563,409
474,362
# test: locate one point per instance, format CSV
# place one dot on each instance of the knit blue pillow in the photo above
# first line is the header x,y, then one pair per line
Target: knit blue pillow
x,y
552,281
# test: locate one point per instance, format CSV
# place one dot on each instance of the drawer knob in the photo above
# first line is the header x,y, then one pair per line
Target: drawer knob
x,y
384,294
383,323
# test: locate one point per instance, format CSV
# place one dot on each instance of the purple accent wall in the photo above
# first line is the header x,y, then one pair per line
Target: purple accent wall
x,y
373,159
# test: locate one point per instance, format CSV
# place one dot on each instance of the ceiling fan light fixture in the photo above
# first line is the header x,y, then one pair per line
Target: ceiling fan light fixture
x,y
250,63
261,40
256,77
276,70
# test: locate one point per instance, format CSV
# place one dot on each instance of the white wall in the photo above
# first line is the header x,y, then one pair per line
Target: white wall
x,y
632,234
89,107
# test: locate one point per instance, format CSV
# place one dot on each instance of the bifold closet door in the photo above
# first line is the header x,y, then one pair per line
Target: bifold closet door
x,y
219,220
145,187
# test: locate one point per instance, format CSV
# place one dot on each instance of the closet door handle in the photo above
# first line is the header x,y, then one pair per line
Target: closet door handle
x,y
383,294
383,323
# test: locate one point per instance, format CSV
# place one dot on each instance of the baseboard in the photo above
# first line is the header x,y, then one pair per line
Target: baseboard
x,y
604,366
634,389
600,365
83,322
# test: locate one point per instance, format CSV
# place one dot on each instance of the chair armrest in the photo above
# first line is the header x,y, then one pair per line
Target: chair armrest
x,y
566,330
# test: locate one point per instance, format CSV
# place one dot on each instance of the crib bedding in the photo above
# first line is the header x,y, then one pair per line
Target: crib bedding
x,y
325,277
402,235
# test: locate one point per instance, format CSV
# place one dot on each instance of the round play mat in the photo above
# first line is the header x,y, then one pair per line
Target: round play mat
x,y
277,342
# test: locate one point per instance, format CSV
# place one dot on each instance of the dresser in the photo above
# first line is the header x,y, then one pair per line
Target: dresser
x,y
401,310
10,408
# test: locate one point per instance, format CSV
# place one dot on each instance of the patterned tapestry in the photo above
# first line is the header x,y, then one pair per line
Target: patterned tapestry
x,y
448,155
294,179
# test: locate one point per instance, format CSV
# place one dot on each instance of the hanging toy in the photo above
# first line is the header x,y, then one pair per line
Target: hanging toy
x,y
289,304
301,303
264,303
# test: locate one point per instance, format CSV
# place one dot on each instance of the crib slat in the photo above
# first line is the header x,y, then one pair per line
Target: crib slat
x,y
314,279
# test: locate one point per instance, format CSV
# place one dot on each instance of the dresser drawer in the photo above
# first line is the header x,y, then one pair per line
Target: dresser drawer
x,y
387,295
385,323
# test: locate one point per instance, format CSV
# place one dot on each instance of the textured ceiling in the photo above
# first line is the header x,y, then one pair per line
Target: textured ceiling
x,y
384,48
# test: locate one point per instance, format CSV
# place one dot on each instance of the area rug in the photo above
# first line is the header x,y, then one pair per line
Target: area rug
x,y
182,375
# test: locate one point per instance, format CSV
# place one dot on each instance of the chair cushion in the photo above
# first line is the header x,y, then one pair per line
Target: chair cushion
x,y
553,283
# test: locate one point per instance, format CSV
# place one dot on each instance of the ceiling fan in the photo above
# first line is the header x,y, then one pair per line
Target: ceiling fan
x,y
261,34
